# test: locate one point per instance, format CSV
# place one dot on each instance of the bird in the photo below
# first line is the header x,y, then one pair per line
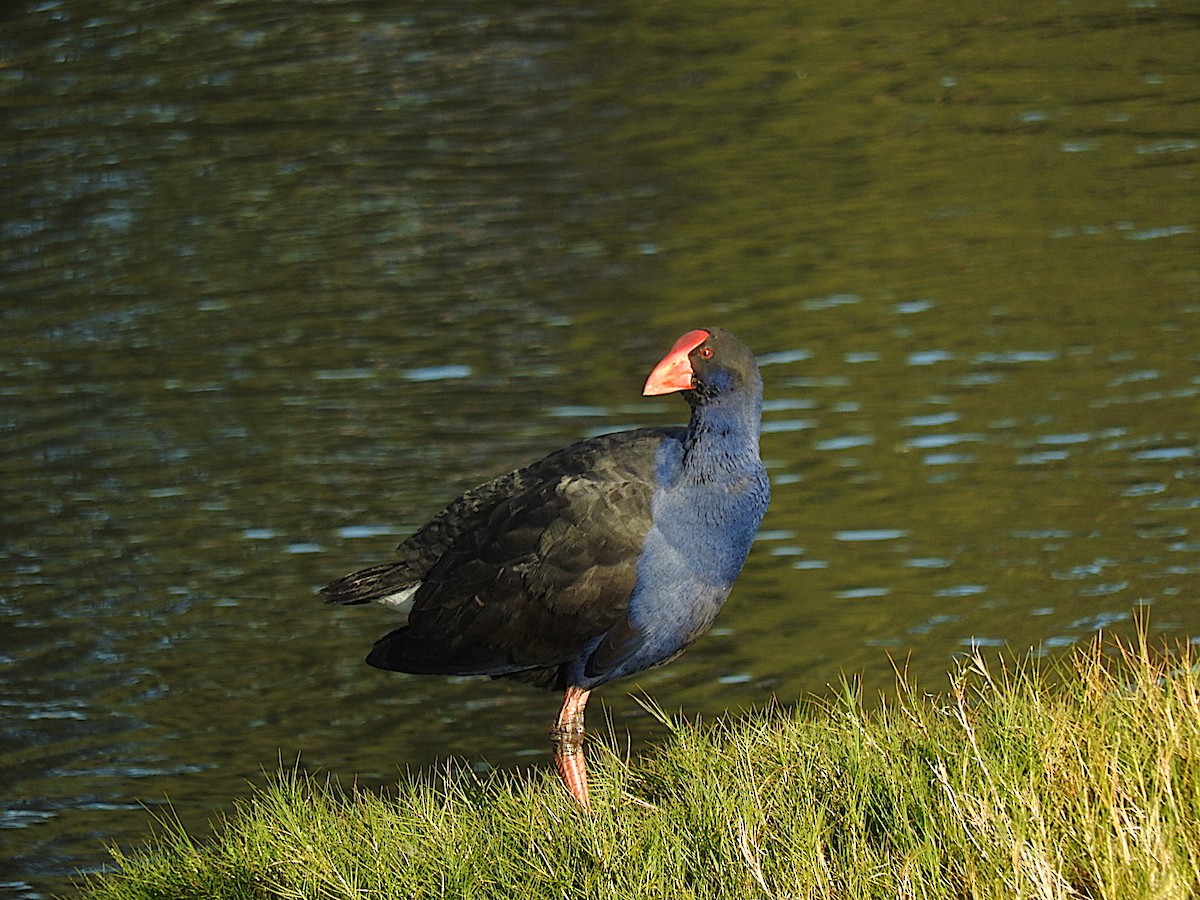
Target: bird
x,y
599,561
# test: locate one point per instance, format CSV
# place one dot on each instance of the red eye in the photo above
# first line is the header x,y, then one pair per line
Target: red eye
x,y
706,352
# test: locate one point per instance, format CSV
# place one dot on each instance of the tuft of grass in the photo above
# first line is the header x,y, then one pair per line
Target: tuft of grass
x,y
1077,781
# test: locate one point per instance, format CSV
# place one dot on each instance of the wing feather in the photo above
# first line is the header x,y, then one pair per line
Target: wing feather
x,y
547,568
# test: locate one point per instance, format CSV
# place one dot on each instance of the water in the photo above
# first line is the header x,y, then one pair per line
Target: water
x,y
275,286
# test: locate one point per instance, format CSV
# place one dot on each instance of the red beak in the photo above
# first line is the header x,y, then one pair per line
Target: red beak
x,y
674,371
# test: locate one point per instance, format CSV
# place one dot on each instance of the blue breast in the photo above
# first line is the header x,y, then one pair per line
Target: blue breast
x,y
704,521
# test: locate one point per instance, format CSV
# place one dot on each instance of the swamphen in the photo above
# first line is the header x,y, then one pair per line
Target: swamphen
x,y
601,560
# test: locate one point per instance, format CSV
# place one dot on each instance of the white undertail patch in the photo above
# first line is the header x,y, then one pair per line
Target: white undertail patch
x,y
401,601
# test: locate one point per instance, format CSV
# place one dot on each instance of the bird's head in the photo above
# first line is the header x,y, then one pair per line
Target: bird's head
x,y
706,362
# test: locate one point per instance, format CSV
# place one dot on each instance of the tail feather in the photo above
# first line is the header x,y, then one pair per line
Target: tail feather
x,y
370,584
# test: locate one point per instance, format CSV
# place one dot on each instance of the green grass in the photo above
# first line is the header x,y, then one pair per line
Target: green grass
x,y
1079,781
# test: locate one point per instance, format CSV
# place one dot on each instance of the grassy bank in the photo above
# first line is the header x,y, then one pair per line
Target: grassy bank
x,y
1078,782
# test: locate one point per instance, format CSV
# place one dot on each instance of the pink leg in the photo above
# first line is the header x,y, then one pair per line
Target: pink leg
x,y
567,736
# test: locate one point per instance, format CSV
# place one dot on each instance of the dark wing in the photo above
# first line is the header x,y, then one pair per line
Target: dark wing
x,y
475,510
541,572
421,552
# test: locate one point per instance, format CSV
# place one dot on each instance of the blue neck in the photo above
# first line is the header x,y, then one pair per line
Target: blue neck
x,y
723,436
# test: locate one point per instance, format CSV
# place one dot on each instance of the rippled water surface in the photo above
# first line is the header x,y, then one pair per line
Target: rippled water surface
x,y
275,284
